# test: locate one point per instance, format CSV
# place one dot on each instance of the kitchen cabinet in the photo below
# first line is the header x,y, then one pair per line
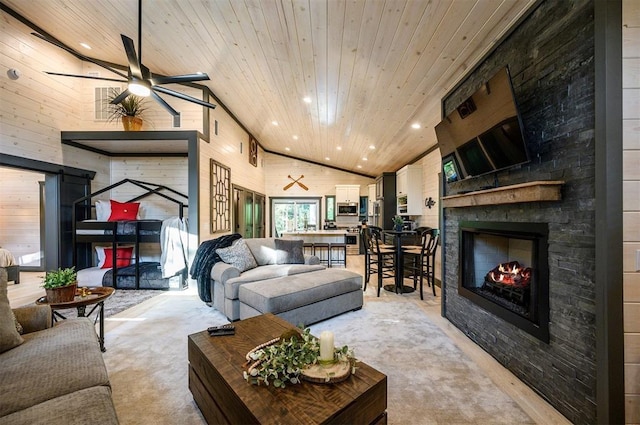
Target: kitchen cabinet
x,y
409,190
347,193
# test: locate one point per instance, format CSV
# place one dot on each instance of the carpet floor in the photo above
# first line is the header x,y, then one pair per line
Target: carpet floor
x,y
121,300
430,380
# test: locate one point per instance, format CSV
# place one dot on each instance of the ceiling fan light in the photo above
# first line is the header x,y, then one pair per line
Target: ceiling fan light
x,y
139,89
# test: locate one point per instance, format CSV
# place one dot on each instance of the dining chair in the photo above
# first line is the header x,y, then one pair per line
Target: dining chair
x,y
419,231
380,231
421,262
377,260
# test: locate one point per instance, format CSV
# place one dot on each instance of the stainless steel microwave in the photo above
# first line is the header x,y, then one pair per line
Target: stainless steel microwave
x,y
347,208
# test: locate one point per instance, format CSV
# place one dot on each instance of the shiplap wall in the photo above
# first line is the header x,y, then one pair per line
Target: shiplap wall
x,y
320,180
431,168
229,147
631,206
20,215
36,107
33,111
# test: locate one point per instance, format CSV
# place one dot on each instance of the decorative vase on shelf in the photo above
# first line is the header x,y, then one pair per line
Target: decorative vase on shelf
x,y
398,227
131,123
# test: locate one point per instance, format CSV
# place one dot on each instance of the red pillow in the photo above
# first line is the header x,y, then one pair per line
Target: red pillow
x,y
123,257
123,210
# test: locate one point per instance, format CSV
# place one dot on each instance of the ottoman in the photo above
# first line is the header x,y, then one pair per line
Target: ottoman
x,y
305,298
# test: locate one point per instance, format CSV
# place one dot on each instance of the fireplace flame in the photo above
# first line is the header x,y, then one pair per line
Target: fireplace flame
x,y
512,274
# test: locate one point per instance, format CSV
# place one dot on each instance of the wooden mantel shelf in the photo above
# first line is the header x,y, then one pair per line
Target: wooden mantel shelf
x,y
526,192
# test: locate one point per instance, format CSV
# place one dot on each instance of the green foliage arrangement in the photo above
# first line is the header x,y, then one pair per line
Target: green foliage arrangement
x,y
398,221
281,361
131,106
59,278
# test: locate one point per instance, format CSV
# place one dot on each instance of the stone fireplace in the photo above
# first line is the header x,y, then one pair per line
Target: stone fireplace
x,y
543,330
504,270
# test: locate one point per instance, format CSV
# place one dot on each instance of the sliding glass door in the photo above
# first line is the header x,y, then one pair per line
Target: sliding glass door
x,y
248,213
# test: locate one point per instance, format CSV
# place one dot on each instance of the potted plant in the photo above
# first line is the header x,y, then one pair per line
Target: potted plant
x,y
130,111
60,285
398,222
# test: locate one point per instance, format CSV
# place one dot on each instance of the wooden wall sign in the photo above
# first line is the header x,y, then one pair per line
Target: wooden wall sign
x,y
253,151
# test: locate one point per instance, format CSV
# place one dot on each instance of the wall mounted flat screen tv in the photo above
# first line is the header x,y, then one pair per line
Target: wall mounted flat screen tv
x,y
484,133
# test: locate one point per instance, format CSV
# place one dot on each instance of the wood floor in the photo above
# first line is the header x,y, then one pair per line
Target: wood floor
x,y
539,410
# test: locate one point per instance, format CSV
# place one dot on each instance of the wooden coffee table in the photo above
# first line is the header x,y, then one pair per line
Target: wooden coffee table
x,y
224,397
84,297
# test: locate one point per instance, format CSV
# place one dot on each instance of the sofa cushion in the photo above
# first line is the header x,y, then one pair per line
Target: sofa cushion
x,y
238,255
89,406
9,336
266,272
51,363
284,294
263,250
289,251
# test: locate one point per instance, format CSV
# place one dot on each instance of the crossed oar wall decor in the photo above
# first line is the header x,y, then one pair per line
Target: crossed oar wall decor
x,y
287,187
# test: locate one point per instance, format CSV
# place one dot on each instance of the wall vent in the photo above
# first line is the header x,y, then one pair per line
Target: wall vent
x,y
101,102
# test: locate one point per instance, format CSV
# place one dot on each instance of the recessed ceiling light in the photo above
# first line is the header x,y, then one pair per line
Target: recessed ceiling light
x,y
415,125
306,99
359,166
295,137
372,147
86,46
327,158
287,149
365,159
339,148
274,122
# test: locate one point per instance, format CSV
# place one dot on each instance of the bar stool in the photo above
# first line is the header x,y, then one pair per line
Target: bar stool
x,y
340,249
321,250
377,260
422,261
307,248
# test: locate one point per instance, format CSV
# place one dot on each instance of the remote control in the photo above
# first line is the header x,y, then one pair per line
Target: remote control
x,y
222,330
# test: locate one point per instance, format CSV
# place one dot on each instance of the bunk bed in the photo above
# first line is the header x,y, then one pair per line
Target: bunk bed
x,y
107,248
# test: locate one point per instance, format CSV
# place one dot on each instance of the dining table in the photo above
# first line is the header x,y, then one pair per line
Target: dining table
x,y
399,286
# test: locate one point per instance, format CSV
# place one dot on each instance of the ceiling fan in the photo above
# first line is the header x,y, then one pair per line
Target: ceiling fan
x,y
141,81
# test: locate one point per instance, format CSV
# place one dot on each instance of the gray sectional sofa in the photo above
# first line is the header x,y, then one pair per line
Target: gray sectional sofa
x,y
283,281
51,375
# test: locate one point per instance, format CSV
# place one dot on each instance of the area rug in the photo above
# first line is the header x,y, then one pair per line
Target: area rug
x,y
430,381
121,300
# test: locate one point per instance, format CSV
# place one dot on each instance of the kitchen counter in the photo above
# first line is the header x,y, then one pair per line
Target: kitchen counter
x,y
328,236
336,232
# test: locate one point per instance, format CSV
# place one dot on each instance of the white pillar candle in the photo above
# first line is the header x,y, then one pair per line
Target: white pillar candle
x,y
326,346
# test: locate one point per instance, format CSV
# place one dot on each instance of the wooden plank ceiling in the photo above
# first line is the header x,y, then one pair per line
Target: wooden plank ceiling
x,y
370,68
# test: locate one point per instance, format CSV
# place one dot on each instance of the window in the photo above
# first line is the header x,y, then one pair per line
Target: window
x,y
294,214
330,205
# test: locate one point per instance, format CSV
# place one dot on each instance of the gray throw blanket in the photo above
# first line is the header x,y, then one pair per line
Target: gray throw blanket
x,y
204,260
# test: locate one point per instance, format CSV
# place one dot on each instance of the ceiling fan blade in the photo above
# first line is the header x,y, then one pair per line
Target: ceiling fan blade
x,y
119,98
183,96
130,50
179,79
78,55
164,104
85,76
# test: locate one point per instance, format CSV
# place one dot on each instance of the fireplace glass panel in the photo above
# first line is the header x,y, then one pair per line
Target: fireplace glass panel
x,y
501,272
505,271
